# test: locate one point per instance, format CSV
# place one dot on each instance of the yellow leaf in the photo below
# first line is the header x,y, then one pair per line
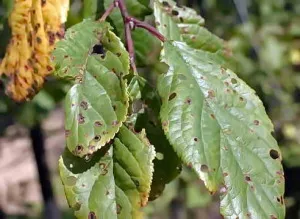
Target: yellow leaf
x,y
35,25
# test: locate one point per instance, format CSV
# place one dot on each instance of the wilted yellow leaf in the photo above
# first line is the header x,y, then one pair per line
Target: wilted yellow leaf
x,y
35,25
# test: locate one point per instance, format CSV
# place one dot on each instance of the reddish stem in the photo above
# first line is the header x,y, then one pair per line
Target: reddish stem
x,y
128,37
108,11
130,23
144,25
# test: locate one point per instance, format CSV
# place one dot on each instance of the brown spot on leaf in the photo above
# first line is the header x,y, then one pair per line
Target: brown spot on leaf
x,y
212,116
165,123
188,101
165,4
247,178
223,70
211,94
273,216
92,148
119,209
174,12
97,138
84,105
172,96
225,174
77,206
38,40
92,215
256,122
241,99
114,123
98,123
281,200
196,139
103,168
274,154
78,149
67,133
81,119
204,168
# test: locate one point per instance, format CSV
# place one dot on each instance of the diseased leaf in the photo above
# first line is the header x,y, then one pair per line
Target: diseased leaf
x,y
35,27
219,127
97,105
145,115
114,182
184,24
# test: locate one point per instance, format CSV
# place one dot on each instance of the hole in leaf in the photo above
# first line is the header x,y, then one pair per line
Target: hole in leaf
x,y
159,156
98,49
88,157
274,154
172,96
195,139
71,181
97,138
233,80
204,168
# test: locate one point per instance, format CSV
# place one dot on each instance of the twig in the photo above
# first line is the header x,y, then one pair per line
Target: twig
x,y
130,23
144,25
108,11
128,37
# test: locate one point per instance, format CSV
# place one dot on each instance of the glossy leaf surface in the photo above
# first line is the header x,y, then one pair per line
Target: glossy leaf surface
x,y
114,182
219,127
97,104
184,24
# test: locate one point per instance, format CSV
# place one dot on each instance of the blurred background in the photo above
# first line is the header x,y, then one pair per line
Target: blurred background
x,y
265,39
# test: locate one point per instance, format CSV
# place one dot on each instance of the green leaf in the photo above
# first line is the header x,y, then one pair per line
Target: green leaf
x,y
97,104
184,24
145,115
114,182
90,8
219,127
